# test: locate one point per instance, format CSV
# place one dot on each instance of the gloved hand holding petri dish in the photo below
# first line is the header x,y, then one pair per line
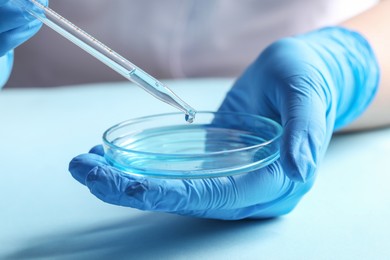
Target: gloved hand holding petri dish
x,y
225,165
163,163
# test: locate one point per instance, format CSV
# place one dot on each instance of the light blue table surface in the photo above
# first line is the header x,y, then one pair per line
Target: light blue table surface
x,y
45,213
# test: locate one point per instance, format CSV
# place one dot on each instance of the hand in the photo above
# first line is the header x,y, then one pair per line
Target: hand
x,y
16,27
310,84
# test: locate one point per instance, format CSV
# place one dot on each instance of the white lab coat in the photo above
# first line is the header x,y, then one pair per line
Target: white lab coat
x,y
171,38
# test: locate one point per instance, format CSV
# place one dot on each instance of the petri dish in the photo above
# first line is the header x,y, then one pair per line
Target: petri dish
x,y
216,144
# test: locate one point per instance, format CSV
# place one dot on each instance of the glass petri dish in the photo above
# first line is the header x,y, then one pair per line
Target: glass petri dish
x,y
216,144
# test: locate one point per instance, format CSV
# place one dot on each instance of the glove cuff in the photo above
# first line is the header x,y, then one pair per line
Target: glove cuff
x,y
6,62
353,68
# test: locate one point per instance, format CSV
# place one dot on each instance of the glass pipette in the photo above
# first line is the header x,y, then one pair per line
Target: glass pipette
x,y
105,55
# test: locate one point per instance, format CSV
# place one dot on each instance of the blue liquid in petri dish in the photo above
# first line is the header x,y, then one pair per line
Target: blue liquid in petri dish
x,y
216,144
188,150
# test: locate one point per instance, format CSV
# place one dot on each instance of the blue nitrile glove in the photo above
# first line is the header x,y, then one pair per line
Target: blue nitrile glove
x,y
16,27
311,84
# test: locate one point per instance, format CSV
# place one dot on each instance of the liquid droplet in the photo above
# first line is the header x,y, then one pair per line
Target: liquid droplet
x,y
190,117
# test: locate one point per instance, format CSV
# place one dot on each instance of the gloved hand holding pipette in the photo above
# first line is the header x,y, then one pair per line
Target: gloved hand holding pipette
x,y
16,27
91,45
312,84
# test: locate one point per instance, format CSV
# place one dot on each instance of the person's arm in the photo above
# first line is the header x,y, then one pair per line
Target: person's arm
x,y
374,26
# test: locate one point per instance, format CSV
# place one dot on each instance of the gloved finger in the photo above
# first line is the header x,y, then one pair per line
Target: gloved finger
x,y
246,96
176,195
81,165
97,149
12,16
113,186
3,2
281,206
303,115
13,38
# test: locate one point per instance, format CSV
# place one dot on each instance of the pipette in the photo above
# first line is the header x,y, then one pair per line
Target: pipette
x,y
105,55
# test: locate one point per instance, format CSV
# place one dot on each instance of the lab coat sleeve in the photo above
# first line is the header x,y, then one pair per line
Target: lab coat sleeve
x,y
6,62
